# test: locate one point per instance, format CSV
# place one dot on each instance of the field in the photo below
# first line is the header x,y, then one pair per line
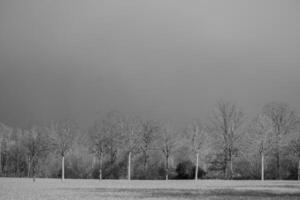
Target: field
x,y
54,189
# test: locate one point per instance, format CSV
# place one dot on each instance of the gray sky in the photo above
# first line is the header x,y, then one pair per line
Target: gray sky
x,y
160,59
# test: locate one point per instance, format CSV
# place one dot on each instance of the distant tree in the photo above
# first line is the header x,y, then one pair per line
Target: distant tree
x,y
17,151
196,137
283,120
113,125
131,136
99,136
294,147
148,135
36,143
5,145
63,135
261,128
168,141
227,121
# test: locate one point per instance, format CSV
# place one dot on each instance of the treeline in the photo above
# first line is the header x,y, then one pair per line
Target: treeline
x,y
227,146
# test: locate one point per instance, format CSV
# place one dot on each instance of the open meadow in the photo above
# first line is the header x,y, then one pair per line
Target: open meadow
x,y
54,189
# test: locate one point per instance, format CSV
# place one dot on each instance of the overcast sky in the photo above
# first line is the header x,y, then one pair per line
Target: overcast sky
x,y
158,58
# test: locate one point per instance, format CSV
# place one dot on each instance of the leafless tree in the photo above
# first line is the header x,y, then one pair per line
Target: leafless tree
x,y
148,134
262,130
99,136
168,141
113,125
63,135
294,146
283,120
5,144
196,139
36,142
131,135
3,131
227,120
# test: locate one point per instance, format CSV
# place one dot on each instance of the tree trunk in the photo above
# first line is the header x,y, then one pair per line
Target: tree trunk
x,y
197,166
17,166
225,166
33,167
129,166
28,170
228,175
278,176
167,168
277,156
299,170
100,167
33,172
262,167
93,162
228,166
63,168
145,164
231,165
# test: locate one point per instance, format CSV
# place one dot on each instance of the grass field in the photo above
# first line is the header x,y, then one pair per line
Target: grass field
x,y
54,189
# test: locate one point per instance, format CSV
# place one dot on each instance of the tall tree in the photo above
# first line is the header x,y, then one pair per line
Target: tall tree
x,y
64,133
168,141
149,132
113,125
227,120
261,128
131,135
36,142
98,135
17,150
196,139
283,120
294,146
5,146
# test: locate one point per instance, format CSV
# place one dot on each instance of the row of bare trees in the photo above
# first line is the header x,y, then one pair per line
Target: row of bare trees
x,y
36,142
227,146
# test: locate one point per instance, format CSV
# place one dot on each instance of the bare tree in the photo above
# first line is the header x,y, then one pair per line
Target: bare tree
x,y
196,137
294,146
283,120
5,145
98,136
262,128
227,120
132,136
168,142
3,132
148,135
36,142
113,125
64,133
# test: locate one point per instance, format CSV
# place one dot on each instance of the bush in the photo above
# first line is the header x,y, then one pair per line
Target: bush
x,y
186,170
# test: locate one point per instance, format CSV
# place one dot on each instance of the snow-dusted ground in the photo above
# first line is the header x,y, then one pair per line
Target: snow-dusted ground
x,y
48,189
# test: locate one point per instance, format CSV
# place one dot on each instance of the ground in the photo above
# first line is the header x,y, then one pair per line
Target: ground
x,y
54,189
